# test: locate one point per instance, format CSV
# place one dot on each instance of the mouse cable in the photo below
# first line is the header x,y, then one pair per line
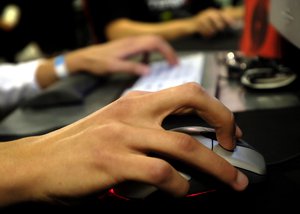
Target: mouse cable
x,y
285,160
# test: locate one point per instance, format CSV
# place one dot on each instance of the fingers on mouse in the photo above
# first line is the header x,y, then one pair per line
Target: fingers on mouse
x,y
244,157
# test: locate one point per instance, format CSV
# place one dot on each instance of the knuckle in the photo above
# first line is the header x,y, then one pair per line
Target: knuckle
x,y
107,131
113,128
125,105
160,172
193,89
185,143
155,39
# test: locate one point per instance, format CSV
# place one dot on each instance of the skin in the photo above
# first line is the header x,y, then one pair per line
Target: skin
x,y
108,58
206,23
111,146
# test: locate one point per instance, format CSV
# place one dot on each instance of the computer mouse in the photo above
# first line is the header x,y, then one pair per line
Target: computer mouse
x,y
244,157
268,77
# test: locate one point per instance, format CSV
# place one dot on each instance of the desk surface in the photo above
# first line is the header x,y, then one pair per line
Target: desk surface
x,y
227,40
240,98
235,96
273,131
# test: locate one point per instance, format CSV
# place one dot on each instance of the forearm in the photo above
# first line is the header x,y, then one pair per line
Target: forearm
x,y
236,12
169,30
19,172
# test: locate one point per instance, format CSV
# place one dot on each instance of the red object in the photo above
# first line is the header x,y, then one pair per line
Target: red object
x,y
259,37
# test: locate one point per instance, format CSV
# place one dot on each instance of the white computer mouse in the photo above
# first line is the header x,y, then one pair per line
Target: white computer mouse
x,y
244,157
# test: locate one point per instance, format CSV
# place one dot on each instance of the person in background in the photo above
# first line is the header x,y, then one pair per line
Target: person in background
x,y
93,154
167,18
21,81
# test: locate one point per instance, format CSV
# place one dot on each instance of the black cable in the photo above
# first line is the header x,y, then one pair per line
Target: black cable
x,y
284,161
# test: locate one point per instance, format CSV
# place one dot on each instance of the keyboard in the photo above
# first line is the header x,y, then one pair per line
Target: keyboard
x,y
162,75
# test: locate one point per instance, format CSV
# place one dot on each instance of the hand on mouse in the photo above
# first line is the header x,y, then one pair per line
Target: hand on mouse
x,y
111,146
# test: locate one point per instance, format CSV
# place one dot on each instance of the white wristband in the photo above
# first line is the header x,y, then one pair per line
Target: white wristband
x,y
60,68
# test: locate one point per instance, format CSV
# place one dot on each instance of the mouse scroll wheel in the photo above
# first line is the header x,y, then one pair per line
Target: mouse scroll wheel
x,y
205,141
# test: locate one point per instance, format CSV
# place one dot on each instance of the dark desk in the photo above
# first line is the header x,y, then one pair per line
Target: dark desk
x,y
273,131
227,40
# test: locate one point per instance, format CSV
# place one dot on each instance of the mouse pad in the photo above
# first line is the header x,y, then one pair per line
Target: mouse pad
x,y
69,91
273,132
36,117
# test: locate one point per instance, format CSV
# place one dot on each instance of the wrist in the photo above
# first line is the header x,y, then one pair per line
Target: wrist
x,y
75,62
60,67
190,25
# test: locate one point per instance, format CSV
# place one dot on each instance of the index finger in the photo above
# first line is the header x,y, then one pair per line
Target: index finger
x,y
153,43
192,95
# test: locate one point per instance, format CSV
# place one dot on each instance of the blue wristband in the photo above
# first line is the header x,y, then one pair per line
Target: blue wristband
x,y
60,68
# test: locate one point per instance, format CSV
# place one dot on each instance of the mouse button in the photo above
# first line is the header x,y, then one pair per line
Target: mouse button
x,y
244,158
243,143
202,182
193,130
198,187
209,134
138,190
214,143
204,140
186,176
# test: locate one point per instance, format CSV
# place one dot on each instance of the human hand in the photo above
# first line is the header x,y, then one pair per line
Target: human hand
x,y
236,12
114,56
111,146
211,21
110,57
